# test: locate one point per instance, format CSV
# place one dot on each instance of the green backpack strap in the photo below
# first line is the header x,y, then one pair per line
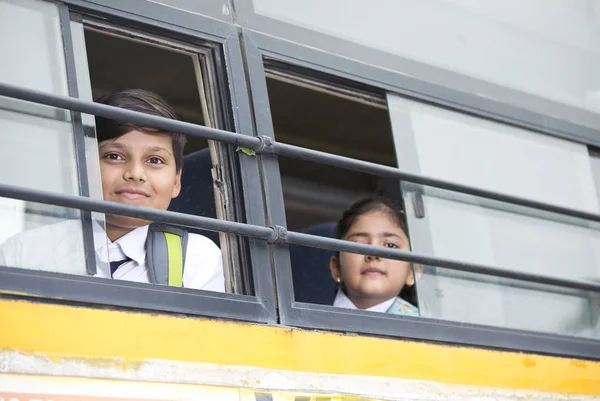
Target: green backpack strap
x,y
165,254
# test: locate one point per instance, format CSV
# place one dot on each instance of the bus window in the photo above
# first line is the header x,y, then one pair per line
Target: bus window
x,y
174,80
311,111
182,75
468,150
336,117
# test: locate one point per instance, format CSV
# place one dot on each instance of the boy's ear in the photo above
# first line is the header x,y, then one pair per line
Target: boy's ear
x,y
334,267
416,270
177,186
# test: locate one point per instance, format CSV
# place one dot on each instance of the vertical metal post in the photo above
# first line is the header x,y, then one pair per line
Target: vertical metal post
x,y
78,140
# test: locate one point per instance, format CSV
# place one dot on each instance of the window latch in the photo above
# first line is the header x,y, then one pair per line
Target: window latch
x,y
418,204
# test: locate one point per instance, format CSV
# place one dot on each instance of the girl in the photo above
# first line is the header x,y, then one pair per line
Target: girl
x,y
370,282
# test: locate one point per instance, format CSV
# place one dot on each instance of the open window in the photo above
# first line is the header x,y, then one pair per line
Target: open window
x,y
184,76
88,53
333,115
336,116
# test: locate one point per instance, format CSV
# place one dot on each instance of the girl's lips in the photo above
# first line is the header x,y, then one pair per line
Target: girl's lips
x,y
372,271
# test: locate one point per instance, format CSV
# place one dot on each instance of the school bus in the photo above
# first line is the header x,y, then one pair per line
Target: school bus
x,y
482,117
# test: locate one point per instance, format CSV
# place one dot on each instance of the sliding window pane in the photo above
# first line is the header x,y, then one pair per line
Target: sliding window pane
x,y
467,150
37,141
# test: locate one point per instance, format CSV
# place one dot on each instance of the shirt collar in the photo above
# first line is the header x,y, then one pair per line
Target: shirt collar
x,y
132,244
342,301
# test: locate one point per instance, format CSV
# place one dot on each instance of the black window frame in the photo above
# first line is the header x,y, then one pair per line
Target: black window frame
x,y
259,47
176,24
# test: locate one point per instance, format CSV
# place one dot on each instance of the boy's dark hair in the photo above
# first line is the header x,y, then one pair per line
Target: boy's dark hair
x,y
142,101
382,204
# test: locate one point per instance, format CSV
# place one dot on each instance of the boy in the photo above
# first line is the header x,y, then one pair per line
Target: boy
x,y
139,166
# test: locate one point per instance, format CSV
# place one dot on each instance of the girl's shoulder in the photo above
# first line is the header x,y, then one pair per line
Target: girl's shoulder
x,y
403,307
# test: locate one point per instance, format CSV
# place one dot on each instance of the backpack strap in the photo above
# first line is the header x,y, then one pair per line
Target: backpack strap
x,y
165,254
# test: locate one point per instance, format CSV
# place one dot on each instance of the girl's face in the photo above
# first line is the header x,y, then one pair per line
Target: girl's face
x,y
370,280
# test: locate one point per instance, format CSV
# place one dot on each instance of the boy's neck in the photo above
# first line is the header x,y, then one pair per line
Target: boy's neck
x,y
115,232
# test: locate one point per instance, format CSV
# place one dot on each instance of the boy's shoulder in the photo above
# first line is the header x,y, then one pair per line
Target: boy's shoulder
x,y
48,233
43,248
198,243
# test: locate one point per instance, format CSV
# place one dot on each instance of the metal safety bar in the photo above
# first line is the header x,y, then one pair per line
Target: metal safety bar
x,y
276,235
268,145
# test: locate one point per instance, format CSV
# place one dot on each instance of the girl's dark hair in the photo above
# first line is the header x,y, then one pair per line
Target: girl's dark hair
x,y
375,203
382,204
142,101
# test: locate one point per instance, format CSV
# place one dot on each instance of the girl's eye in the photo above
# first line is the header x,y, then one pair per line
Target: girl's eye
x,y
155,160
391,245
113,156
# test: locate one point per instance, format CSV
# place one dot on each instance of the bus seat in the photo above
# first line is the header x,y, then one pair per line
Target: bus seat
x,y
197,196
310,269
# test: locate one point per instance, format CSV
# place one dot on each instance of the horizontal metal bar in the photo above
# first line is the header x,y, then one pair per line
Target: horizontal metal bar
x,y
316,156
266,233
347,246
277,148
102,206
117,113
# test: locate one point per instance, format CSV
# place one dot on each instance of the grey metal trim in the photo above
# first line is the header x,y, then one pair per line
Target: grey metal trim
x,y
157,16
277,148
420,328
271,234
102,206
250,176
329,318
130,294
78,139
271,179
117,113
315,50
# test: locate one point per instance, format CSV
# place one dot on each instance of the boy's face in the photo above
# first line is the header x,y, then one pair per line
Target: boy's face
x,y
138,169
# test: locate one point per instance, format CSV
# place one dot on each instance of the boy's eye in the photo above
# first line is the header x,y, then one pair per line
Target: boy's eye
x,y
155,160
113,156
391,245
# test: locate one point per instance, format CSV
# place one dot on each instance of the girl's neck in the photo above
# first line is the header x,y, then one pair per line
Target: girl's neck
x,y
366,303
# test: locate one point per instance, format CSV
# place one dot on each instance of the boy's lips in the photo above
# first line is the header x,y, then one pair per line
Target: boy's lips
x,y
133,193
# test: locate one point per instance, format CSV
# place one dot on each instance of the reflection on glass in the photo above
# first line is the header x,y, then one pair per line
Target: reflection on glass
x,y
468,150
555,61
44,239
37,145
33,58
481,231
478,299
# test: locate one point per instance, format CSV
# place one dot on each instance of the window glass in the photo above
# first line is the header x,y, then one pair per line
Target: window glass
x,y
555,51
37,141
213,8
472,151
468,150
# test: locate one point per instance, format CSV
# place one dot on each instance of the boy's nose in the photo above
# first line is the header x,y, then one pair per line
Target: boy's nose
x,y
135,172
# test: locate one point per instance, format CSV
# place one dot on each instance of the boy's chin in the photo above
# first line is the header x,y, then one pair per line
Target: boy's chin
x,y
125,222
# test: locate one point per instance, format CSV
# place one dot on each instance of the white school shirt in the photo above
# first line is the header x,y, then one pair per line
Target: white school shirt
x,y
342,301
59,248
